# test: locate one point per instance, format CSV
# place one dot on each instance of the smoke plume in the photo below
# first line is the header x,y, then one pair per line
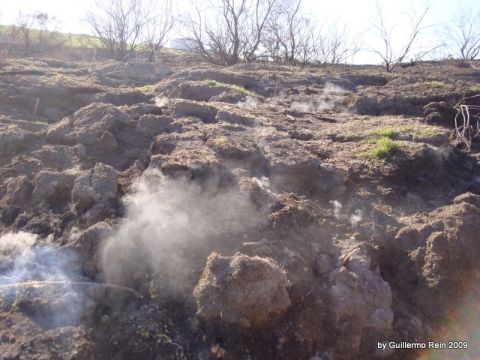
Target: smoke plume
x,y
356,218
33,273
337,208
168,228
248,103
326,100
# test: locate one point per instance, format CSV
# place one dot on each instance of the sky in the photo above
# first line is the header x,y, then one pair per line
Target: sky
x,y
357,15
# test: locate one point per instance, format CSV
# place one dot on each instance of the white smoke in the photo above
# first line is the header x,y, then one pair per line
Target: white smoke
x,y
249,102
337,208
326,100
15,245
32,269
168,228
263,182
161,101
355,218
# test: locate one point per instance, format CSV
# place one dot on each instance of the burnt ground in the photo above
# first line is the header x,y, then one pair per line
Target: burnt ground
x,y
133,174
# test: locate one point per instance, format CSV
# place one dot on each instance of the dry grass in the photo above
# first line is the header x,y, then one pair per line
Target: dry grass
x,y
220,141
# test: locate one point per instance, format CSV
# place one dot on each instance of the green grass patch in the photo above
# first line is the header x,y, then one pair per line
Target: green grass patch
x,y
220,141
87,41
387,132
236,88
475,88
60,38
384,147
147,89
436,84
421,130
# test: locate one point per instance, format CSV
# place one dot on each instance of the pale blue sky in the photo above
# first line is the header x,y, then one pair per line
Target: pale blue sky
x,y
356,14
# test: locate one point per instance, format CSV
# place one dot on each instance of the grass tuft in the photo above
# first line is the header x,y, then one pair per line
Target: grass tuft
x,y
236,88
147,89
387,132
221,141
436,84
384,147
475,88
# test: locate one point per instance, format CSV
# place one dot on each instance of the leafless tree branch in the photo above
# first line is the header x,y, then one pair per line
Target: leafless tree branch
x,y
119,25
389,56
229,31
464,34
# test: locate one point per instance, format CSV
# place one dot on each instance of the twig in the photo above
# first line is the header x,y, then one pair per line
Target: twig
x,y
35,109
62,282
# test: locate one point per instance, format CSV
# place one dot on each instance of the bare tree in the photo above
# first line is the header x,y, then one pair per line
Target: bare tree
x,y
119,25
229,31
390,54
2,38
262,13
284,33
24,28
36,32
332,45
157,29
294,38
464,34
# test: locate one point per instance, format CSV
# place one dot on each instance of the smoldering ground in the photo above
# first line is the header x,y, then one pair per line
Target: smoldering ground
x,y
327,99
170,228
33,273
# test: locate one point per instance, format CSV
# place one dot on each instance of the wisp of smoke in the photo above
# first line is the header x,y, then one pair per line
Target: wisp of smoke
x,y
263,182
167,228
304,106
326,100
355,218
161,101
337,208
26,259
249,102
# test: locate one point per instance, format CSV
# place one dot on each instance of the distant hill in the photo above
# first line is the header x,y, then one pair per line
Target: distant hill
x,y
9,34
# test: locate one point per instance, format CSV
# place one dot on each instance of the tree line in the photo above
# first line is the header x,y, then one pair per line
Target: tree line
x,y
227,32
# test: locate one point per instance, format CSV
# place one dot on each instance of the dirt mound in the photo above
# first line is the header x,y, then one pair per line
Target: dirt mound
x,y
241,290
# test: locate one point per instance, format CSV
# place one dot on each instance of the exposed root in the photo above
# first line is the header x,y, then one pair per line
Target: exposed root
x,y
467,131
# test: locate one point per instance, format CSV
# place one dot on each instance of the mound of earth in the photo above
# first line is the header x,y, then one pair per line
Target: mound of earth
x,y
241,290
